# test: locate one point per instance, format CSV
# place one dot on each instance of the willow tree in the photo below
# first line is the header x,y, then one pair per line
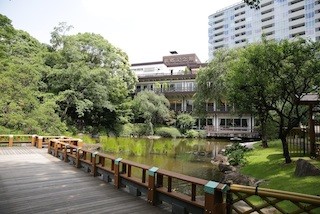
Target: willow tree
x,y
152,108
210,80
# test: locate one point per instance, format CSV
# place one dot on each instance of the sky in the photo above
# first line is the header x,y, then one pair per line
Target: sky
x,y
146,30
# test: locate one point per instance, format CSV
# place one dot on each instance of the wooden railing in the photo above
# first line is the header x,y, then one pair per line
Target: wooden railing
x,y
184,193
246,199
157,185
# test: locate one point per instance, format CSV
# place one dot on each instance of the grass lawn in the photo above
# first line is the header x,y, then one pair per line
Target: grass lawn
x,y
268,164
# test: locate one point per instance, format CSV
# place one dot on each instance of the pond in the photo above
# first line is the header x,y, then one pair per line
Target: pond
x,y
187,156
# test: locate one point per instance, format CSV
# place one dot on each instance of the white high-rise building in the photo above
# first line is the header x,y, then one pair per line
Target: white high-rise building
x,y
238,25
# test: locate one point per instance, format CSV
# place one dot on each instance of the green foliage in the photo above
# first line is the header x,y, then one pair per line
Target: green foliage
x,y
185,121
133,129
267,164
268,78
167,132
202,133
192,133
91,78
235,154
151,108
24,108
254,4
211,84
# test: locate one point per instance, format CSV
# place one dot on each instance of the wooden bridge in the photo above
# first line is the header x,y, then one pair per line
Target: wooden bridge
x,y
63,178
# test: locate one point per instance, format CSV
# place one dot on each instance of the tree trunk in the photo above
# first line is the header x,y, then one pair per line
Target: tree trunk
x,y
264,137
285,148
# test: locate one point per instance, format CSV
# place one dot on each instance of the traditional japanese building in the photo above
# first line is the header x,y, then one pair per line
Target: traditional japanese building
x,y
174,76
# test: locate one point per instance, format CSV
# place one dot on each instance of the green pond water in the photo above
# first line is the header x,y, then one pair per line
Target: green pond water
x,y
187,156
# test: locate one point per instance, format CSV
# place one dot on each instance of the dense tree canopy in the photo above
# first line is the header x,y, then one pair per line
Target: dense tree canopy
x,y
80,79
23,107
265,79
91,77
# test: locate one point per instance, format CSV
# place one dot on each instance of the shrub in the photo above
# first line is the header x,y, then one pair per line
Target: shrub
x,y
235,154
168,132
192,133
126,130
202,134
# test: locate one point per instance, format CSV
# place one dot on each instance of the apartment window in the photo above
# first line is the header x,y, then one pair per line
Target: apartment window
x,y
240,20
267,19
217,15
216,22
217,28
298,34
239,14
240,27
295,2
269,33
267,26
239,7
297,9
297,17
217,47
266,4
297,26
266,11
218,34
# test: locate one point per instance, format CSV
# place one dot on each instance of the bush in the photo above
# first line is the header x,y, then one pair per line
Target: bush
x,y
202,134
192,133
126,130
168,132
235,154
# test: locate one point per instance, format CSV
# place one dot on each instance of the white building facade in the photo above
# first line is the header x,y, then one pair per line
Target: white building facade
x,y
238,25
174,77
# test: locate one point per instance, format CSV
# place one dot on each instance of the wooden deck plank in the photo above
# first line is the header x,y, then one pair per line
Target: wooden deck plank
x,y
32,181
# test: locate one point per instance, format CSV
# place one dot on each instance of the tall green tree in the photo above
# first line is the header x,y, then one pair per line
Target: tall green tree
x,y
23,107
91,77
271,76
151,108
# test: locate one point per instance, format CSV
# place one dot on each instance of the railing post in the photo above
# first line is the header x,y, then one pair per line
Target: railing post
x,y
56,148
78,158
229,200
66,146
40,140
213,202
10,140
94,163
152,172
33,140
117,172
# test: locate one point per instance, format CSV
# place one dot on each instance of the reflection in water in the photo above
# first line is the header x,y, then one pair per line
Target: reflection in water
x,y
187,156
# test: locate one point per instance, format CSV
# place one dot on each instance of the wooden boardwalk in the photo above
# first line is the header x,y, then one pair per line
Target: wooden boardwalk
x,y
32,181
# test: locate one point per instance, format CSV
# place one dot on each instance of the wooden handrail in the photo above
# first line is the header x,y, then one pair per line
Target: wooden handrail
x,y
120,170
